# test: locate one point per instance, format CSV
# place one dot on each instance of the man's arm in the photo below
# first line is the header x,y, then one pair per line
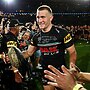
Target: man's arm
x,y
31,49
73,54
80,76
85,77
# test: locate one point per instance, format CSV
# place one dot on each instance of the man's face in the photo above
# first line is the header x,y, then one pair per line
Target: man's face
x,y
17,30
44,19
26,36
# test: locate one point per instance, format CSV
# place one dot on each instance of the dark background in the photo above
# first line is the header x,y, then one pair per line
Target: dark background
x,y
56,5
67,12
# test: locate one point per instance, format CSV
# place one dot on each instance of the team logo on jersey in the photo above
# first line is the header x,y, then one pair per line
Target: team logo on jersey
x,y
67,38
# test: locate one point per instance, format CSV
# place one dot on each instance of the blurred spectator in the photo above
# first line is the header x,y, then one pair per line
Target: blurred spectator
x,y
10,40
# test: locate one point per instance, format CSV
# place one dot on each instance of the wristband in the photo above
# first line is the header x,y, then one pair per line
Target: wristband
x,y
77,87
15,70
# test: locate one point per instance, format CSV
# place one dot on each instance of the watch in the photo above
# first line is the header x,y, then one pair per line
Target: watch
x,y
77,87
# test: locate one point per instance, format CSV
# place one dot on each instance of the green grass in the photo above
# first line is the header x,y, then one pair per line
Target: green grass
x,y
83,57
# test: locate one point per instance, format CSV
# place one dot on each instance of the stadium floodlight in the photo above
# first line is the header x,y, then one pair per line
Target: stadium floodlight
x,y
83,0
9,1
86,0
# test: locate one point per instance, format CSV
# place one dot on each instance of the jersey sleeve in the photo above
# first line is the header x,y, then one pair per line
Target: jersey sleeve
x,y
34,40
68,40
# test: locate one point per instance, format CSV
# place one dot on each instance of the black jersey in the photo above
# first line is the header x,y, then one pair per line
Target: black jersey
x,y
9,40
52,45
1,37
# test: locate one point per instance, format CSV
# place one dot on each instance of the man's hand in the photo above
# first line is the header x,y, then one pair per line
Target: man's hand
x,y
63,80
5,58
75,71
18,76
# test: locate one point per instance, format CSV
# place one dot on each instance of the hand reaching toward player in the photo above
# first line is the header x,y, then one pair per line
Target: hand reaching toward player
x,y
63,80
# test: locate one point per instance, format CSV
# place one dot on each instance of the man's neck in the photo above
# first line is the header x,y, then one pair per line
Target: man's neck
x,y
48,28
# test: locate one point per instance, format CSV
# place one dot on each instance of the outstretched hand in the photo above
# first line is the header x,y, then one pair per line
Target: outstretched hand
x,y
63,80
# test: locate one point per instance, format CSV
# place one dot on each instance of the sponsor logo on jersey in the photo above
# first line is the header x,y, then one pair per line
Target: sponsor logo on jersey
x,y
50,49
67,38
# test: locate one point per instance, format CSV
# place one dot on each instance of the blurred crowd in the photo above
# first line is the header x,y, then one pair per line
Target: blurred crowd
x,y
77,31
19,36
80,32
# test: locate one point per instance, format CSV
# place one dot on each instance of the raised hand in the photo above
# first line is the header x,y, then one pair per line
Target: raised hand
x,y
63,80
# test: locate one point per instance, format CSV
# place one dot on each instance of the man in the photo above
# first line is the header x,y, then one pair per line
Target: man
x,y
52,42
66,80
10,40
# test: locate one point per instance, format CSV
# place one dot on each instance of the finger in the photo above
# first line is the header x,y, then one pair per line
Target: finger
x,y
49,73
3,56
56,71
65,70
53,84
54,75
50,78
72,65
75,67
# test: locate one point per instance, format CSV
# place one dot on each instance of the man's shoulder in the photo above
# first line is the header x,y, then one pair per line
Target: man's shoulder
x,y
59,29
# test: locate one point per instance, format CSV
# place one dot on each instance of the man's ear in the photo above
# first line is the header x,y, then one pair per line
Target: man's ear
x,y
51,17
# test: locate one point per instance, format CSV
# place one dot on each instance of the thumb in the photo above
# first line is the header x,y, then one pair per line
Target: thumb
x,y
75,67
72,65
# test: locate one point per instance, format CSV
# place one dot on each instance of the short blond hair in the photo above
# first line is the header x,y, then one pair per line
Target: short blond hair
x,y
45,7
